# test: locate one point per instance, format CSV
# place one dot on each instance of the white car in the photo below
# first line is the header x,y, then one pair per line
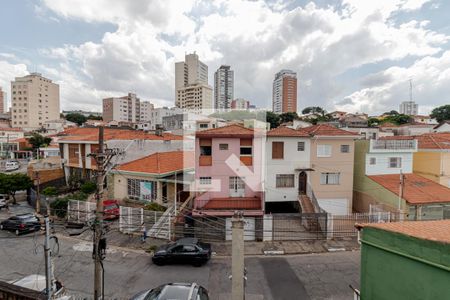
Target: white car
x,y
12,166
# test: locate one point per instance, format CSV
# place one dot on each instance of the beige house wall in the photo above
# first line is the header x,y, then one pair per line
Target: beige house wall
x,y
337,163
433,165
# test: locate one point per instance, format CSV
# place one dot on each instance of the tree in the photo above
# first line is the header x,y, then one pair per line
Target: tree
x,y
49,191
288,117
314,110
398,119
92,117
36,140
441,113
11,183
273,119
373,122
76,118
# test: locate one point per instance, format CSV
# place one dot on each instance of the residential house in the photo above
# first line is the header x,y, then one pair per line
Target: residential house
x,y
154,178
336,115
49,151
368,132
415,129
442,127
432,160
332,151
229,173
77,145
424,119
288,165
383,177
405,260
8,141
353,121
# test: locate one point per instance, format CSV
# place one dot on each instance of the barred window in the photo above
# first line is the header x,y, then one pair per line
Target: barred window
x,y
373,161
300,146
223,146
395,162
205,180
285,180
345,148
141,189
329,178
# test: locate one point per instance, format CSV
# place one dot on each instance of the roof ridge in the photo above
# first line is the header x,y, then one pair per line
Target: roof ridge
x,y
434,141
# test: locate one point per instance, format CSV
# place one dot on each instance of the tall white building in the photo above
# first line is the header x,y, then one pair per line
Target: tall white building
x,y
192,91
284,92
34,100
409,108
223,87
127,108
3,102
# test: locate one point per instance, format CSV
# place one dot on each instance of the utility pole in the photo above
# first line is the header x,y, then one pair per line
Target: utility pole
x,y
237,257
48,266
400,195
38,193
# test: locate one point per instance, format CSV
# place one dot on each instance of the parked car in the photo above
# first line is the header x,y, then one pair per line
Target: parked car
x,y
179,291
185,250
21,224
12,166
110,209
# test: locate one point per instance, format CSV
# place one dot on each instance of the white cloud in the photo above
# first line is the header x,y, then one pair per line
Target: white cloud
x,y
255,38
8,72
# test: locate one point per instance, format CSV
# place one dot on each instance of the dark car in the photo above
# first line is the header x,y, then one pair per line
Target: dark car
x,y
179,291
185,250
21,224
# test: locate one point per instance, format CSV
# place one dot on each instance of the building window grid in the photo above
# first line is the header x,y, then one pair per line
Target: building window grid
x,y
330,178
285,180
134,189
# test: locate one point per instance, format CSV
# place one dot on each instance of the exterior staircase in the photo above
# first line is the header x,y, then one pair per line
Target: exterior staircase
x,y
161,228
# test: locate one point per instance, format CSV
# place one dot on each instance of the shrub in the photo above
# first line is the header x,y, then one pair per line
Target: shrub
x,y
88,187
78,196
50,191
59,207
154,207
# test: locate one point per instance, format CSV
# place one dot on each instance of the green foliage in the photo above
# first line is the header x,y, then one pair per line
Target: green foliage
x,y
59,207
373,122
36,140
273,119
74,182
92,117
78,196
154,207
288,117
398,119
314,109
441,113
392,112
50,191
76,118
88,187
11,183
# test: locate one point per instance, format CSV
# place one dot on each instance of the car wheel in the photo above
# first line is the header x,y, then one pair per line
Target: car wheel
x,y
158,262
17,232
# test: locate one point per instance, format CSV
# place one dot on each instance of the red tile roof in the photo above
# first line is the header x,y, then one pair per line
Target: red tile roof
x,y
438,231
327,130
10,129
233,203
232,130
434,141
160,163
91,134
416,189
283,131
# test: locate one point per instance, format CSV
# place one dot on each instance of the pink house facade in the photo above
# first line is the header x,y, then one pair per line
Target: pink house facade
x,y
229,171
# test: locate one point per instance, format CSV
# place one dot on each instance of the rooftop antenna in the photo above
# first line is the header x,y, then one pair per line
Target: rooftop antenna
x,y
410,89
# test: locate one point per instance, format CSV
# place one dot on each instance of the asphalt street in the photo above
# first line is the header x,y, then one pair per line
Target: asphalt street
x,y
314,276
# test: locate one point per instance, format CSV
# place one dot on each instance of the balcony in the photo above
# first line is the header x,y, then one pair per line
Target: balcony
x,y
391,145
227,206
246,160
205,160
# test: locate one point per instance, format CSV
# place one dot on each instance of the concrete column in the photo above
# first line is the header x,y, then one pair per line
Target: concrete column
x,y
159,192
267,228
237,257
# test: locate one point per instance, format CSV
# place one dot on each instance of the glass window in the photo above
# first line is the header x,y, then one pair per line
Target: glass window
x,y
345,148
246,150
395,162
205,180
300,146
223,146
141,189
323,150
205,150
329,178
285,180
373,161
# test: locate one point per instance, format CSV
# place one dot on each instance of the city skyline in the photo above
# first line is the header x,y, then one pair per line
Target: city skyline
x,y
96,53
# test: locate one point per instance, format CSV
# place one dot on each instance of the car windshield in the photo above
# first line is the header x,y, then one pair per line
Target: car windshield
x,y
110,207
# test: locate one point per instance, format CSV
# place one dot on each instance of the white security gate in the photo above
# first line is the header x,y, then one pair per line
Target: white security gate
x,y
80,211
249,229
130,219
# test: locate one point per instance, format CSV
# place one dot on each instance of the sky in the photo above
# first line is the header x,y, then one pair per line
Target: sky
x,y
349,55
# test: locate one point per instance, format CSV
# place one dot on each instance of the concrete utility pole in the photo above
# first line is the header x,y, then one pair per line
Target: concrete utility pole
x,y
400,195
237,257
38,194
98,226
48,265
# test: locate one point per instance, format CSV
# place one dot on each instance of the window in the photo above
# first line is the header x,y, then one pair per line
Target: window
x,y
285,180
203,125
223,146
300,146
205,150
205,180
372,161
323,150
277,150
345,148
395,162
329,178
246,150
141,189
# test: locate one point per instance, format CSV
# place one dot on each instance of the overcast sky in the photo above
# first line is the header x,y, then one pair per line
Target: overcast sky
x,y
349,55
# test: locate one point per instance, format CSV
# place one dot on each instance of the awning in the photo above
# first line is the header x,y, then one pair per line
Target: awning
x,y
304,169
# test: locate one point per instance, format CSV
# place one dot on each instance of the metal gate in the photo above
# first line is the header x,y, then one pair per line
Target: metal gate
x,y
299,226
80,211
130,219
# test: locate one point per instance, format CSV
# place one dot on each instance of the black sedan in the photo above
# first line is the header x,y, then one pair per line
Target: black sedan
x,y
185,250
180,291
21,224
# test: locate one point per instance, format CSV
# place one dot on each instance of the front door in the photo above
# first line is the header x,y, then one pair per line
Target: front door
x,y
237,187
302,179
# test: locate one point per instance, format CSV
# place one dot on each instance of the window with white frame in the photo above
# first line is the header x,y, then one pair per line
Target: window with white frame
x,y
329,178
285,180
323,150
395,162
205,180
345,148
300,146
373,161
223,146
138,189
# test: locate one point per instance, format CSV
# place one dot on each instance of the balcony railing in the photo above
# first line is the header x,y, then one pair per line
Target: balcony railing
x,y
393,145
205,160
244,203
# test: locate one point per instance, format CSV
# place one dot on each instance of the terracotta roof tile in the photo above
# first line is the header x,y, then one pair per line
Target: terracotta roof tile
x,y
161,163
434,140
328,130
416,190
438,231
233,203
226,131
10,129
287,132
